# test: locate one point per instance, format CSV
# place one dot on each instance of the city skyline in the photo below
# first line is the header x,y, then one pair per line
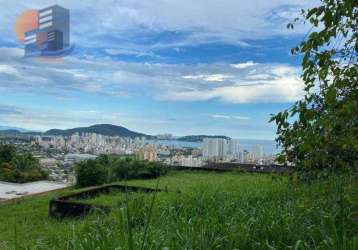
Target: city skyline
x,y
205,72
9,130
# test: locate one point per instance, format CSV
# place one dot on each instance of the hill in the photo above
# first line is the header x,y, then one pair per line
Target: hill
x,y
199,138
9,128
103,129
10,132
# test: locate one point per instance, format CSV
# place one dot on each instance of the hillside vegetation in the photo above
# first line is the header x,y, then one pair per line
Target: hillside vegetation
x,y
103,129
15,167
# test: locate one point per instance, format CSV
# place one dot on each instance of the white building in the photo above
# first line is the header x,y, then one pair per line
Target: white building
x,y
234,149
147,154
190,161
215,148
257,152
75,138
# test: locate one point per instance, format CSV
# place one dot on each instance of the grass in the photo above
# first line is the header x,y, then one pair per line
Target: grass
x,y
200,211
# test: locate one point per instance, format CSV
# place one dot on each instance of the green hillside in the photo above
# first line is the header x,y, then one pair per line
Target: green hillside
x,y
103,129
200,211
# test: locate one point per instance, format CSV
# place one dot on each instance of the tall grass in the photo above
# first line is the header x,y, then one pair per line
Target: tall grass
x,y
202,211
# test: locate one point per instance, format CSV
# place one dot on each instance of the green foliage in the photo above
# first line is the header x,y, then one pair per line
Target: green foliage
x,y
319,134
129,168
7,153
7,172
107,169
211,211
19,167
90,173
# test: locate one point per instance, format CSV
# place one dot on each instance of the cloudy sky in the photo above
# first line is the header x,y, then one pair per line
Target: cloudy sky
x,y
159,66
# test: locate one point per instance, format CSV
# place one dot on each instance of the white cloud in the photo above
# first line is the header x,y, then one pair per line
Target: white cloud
x,y
260,83
273,91
243,65
253,76
209,78
265,83
11,53
129,52
88,111
230,117
231,21
7,69
284,71
240,117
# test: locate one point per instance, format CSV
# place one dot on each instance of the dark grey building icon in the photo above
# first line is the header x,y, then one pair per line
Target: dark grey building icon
x,y
52,35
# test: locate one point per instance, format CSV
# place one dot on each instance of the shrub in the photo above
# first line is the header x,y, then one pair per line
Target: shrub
x,y
19,167
106,169
7,172
90,173
7,153
129,168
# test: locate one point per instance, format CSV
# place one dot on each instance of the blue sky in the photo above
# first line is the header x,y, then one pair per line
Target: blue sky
x,y
160,66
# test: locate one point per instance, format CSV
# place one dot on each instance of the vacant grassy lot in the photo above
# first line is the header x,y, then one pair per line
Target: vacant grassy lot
x,y
200,211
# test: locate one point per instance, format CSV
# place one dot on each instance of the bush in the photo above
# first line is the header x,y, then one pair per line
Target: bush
x,y
7,153
105,169
19,167
7,172
90,173
129,168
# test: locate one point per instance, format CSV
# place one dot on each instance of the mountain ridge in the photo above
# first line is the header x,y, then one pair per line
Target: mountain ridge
x,y
107,130
10,128
103,129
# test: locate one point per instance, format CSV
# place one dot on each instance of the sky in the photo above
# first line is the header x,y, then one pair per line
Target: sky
x,y
161,66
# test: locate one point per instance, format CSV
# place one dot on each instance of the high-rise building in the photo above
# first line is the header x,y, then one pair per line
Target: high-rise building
x,y
247,157
75,138
52,33
241,157
147,153
215,148
190,161
257,151
234,148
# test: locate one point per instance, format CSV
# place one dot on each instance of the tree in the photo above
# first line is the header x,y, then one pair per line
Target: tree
x,y
28,168
25,162
19,167
7,172
90,173
116,168
7,153
319,134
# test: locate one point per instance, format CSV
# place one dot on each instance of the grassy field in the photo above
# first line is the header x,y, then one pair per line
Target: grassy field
x,y
200,211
